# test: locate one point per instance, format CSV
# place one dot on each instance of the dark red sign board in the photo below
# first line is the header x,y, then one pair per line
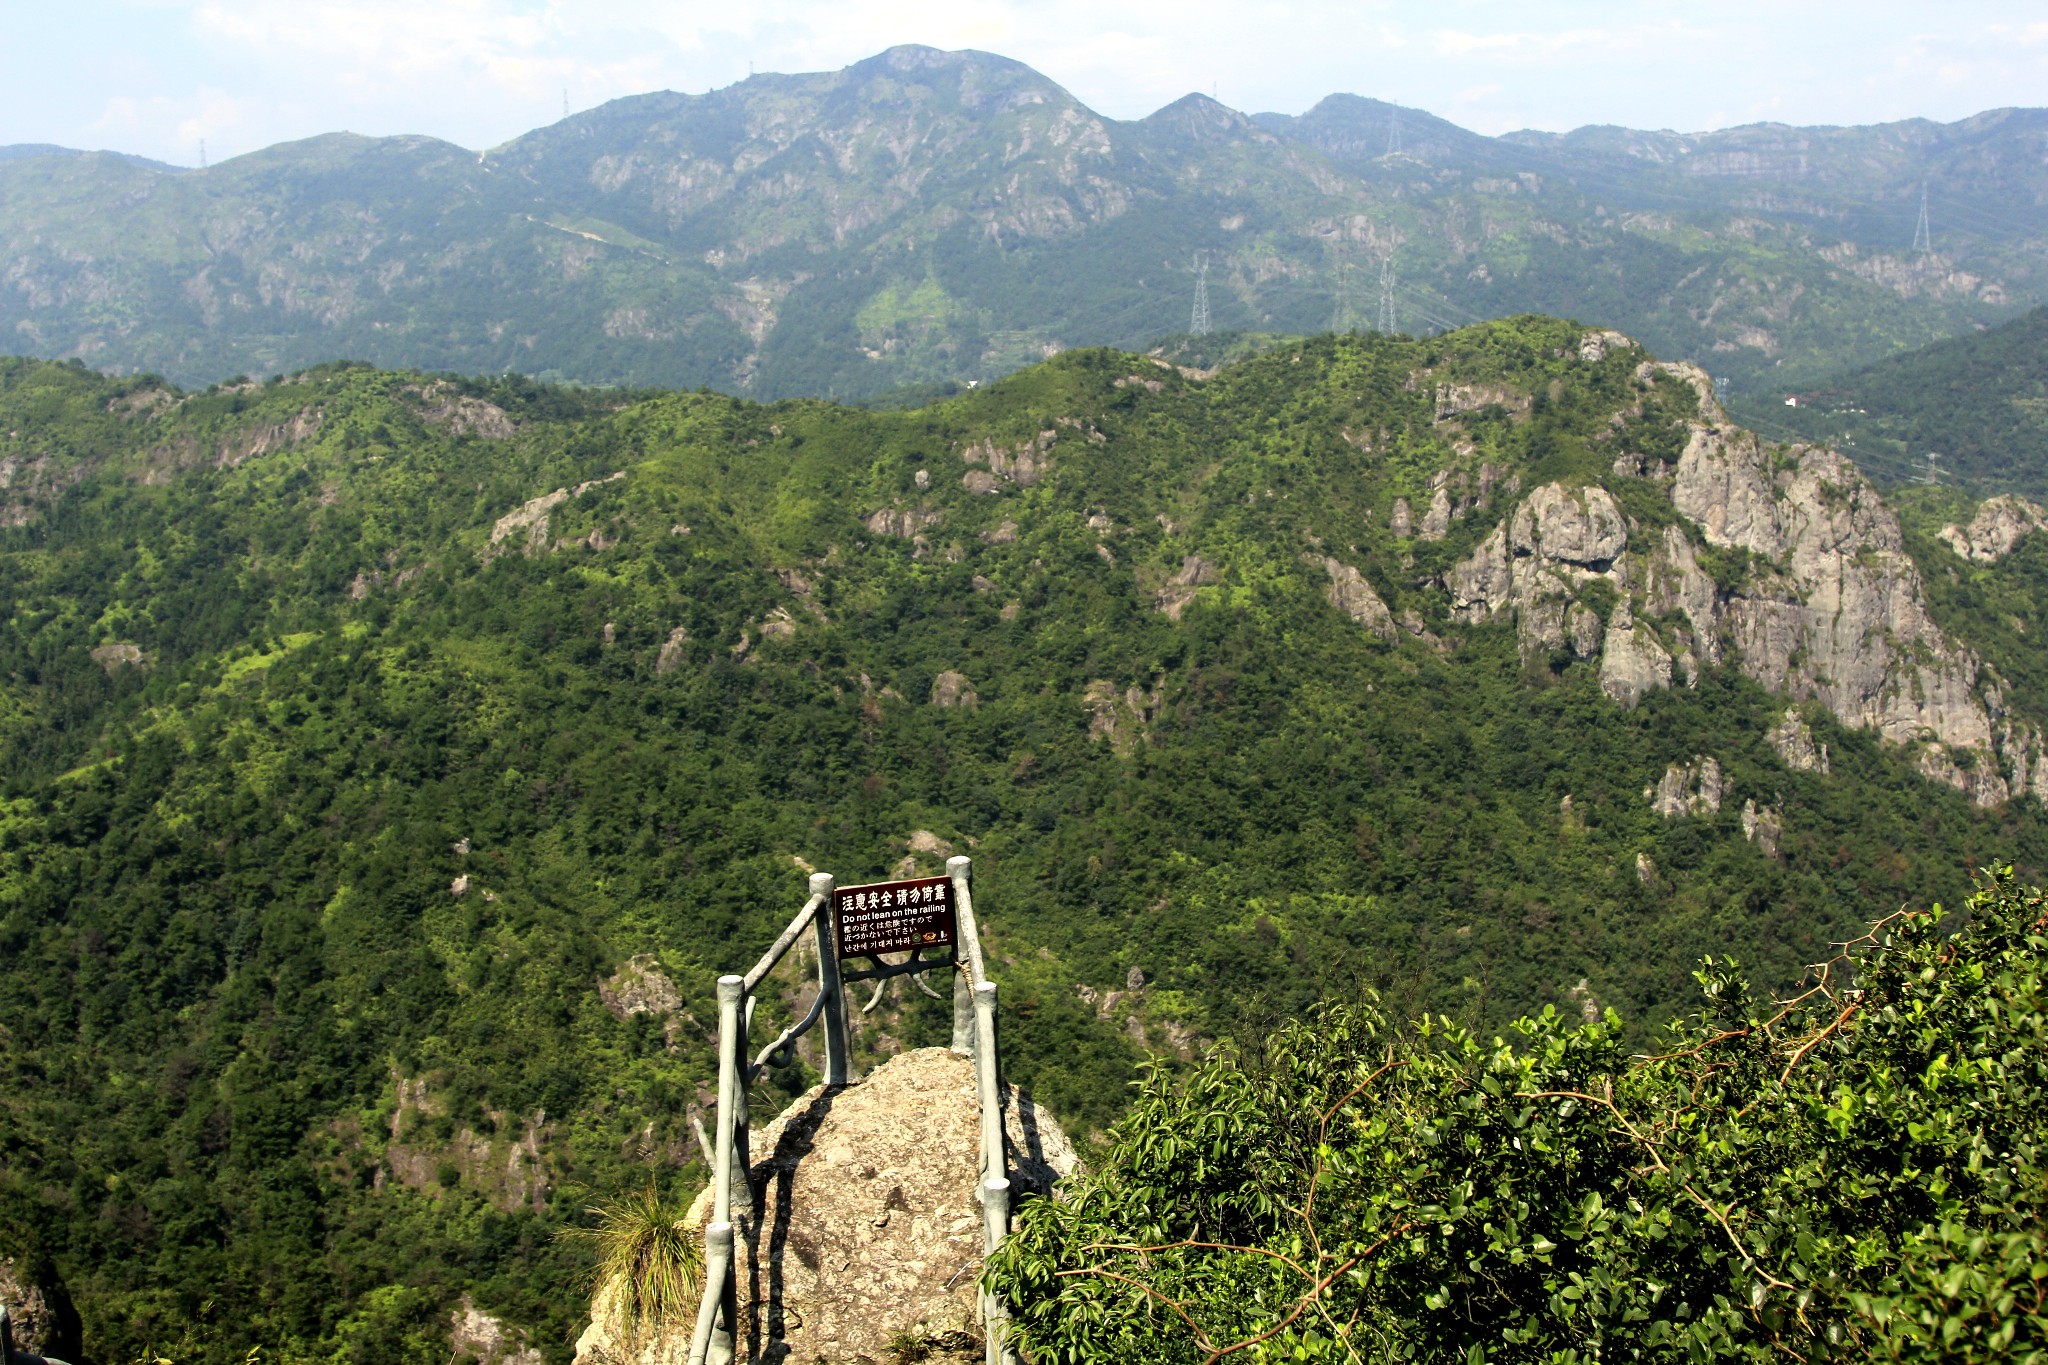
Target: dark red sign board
x,y
893,917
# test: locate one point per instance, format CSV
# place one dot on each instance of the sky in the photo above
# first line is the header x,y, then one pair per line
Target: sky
x,y
158,77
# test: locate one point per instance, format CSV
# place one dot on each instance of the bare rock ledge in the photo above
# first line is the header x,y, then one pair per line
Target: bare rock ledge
x,y
868,1225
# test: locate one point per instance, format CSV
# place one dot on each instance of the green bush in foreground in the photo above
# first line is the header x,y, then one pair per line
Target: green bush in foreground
x,y
1855,1173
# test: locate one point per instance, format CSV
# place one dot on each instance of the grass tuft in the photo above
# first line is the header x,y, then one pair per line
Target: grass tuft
x,y
648,1265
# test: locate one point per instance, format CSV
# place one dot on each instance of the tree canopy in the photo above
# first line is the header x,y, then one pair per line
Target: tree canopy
x,y
1854,1172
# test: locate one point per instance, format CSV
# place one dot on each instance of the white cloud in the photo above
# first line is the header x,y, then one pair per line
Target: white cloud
x,y
208,116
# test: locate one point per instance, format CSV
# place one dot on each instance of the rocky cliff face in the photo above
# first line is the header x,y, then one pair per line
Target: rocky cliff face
x,y
1816,597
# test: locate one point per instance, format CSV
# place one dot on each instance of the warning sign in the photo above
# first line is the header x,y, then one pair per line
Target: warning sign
x,y
893,917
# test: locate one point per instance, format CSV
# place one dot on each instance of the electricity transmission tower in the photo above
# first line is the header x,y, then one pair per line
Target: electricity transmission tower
x,y
1923,237
1200,323
1394,130
202,154
1388,322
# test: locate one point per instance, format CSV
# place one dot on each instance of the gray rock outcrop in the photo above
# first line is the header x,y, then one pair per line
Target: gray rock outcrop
x,y
478,1337
1436,522
951,689
1194,574
1828,606
1834,609
1762,826
1999,525
1536,561
1351,594
40,1317
1693,788
1792,737
1633,664
1571,526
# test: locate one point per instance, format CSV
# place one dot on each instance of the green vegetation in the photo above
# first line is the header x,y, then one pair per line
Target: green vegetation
x,y
1853,1173
345,769
1979,402
650,1263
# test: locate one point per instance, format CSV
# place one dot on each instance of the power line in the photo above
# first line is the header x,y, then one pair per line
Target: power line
x,y
1200,323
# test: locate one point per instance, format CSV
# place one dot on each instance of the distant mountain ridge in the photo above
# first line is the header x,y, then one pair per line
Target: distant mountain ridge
x,y
18,151
927,217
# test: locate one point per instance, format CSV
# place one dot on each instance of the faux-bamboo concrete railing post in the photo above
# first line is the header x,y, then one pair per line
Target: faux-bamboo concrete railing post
x,y
831,990
735,1180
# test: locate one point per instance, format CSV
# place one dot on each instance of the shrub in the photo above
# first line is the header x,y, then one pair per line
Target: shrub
x,y
1852,1173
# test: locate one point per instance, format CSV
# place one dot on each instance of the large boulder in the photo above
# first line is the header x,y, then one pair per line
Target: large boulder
x,y
867,1231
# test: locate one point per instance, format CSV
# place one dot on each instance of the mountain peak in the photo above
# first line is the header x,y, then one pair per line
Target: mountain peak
x,y
1203,118
916,59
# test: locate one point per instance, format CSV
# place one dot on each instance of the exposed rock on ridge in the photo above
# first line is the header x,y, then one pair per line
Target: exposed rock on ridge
x,y
1999,525
1834,609
1534,564
1352,595
1829,606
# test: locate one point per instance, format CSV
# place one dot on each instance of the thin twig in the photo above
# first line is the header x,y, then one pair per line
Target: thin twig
x,y
1610,1106
1201,1339
1808,1045
1312,1296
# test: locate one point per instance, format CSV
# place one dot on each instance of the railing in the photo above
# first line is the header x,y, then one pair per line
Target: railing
x,y
974,1033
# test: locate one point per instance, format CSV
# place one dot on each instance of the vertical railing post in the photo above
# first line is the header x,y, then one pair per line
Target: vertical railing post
x,y
712,1342
838,1049
967,970
963,1005
735,1185
961,870
988,1083
995,1225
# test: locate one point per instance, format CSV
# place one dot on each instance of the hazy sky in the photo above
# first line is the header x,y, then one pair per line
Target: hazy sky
x,y
157,76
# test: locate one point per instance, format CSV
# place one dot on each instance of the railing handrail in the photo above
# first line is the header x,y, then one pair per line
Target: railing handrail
x,y
786,941
974,1032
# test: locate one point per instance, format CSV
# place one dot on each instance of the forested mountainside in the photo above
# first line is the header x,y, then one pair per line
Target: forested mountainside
x,y
928,218
390,760
1978,403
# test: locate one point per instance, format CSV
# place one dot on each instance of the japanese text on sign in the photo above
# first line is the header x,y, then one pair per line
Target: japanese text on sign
x,y
893,917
